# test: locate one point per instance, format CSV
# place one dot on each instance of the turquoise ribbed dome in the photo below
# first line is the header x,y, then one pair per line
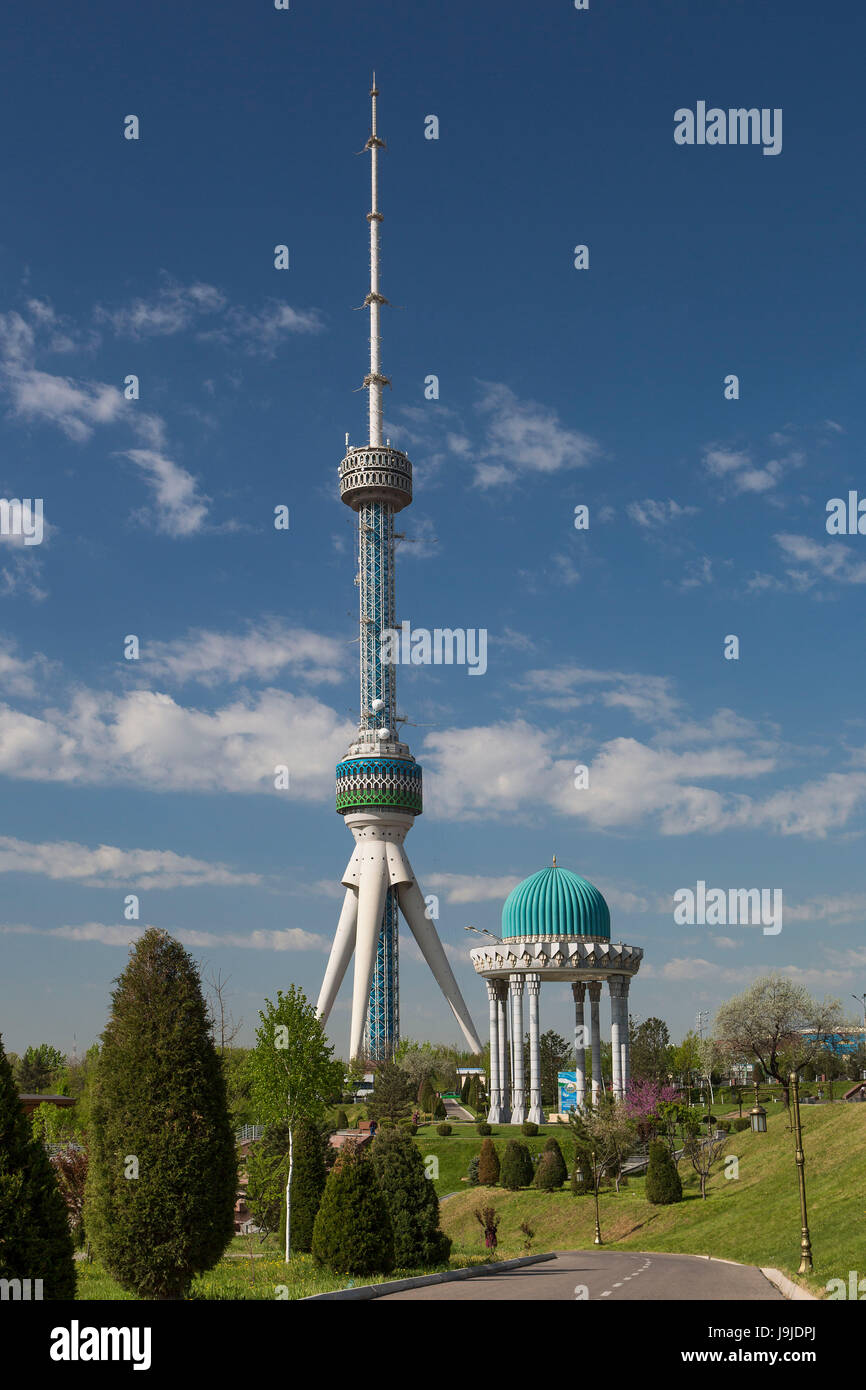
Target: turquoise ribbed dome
x,y
555,902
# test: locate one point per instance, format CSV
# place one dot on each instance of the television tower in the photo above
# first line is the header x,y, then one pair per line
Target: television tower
x,y
378,781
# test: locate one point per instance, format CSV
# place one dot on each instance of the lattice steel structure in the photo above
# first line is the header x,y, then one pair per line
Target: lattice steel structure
x,y
379,788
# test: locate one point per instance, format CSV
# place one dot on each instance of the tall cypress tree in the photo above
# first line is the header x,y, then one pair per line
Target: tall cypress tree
x,y
35,1241
411,1200
163,1172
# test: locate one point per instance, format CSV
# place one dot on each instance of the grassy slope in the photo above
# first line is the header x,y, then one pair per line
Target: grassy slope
x,y
754,1219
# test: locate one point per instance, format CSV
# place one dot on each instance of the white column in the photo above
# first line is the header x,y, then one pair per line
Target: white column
x,y
518,1102
502,1028
493,1114
626,1048
578,990
615,987
595,1038
533,985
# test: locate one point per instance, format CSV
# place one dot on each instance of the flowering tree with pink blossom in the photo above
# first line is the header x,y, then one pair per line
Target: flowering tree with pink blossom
x,y
653,1108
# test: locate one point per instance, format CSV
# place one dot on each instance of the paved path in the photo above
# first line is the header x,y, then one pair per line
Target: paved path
x,y
455,1111
612,1275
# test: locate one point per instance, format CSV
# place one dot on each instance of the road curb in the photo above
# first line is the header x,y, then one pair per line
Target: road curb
x,y
365,1291
786,1285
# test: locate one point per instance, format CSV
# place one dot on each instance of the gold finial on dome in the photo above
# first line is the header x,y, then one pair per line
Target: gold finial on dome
x,y
554,861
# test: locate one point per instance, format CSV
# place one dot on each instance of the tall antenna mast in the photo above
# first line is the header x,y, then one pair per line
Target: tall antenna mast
x,y
374,381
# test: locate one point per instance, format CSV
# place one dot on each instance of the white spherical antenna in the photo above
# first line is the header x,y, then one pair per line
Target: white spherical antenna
x,y
377,705
383,734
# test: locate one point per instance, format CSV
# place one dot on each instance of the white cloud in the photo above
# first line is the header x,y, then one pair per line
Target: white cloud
x,y
288,939
741,475
145,738
108,865
180,510
650,513
176,308
265,649
525,437
808,561
471,888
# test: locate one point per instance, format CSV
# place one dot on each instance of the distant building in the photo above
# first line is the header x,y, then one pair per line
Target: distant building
x,y
31,1101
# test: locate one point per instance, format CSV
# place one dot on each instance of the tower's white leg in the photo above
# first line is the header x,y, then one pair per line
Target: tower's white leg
x,y
371,903
341,954
413,909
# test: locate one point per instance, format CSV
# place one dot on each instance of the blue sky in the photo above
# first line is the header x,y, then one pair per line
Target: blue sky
x,y
557,387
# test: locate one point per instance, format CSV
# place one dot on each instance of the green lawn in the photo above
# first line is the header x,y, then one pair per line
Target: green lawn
x,y
754,1219
455,1151
262,1278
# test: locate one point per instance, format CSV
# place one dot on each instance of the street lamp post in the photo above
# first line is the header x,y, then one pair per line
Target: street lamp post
x,y
805,1241
595,1176
758,1116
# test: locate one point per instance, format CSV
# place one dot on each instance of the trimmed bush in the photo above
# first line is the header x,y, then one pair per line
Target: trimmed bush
x,y
552,1147
35,1242
488,1164
411,1201
472,1176
740,1125
352,1233
444,1130
547,1176
342,1120
663,1185
483,1128
439,1111
529,1128
517,1170
724,1125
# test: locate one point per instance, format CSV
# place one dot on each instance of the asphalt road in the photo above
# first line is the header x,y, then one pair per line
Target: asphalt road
x,y
611,1275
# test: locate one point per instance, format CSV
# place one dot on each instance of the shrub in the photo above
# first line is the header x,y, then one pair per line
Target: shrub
x,y
160,1096
708,1120
439,1111
724,1125
36,1242
352,1233
663,1185
411,1201
483,1128
740,1125
444,1130
529,1128
488,1164
342,1120
413,1129
552,1147
517,1169
547,1176
488,1221
472,1176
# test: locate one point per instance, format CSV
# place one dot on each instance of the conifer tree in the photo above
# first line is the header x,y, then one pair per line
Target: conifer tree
x,y
488,1164
162,1180
559,1165
517,1169
663,1183
35,1241
411,1200
352,1233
